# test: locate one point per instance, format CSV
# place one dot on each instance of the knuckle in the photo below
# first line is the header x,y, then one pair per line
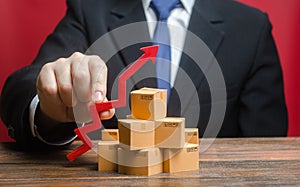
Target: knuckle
x,y
97,63
60,60
49,90
81,74
65,88
96,58
76,55
46,68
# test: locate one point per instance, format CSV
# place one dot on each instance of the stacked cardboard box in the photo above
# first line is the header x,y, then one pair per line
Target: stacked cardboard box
x,y
148,142
110,135
107,155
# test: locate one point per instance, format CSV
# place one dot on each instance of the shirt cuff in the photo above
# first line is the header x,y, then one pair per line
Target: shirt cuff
x,y
32,109
33,127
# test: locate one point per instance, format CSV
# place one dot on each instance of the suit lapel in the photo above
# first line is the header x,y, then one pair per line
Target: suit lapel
x,y
202,21
201,24
124,13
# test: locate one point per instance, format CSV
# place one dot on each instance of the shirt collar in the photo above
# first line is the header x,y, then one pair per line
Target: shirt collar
x,y
187,4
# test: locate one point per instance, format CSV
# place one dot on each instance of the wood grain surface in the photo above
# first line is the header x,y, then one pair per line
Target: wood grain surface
x,y
227,162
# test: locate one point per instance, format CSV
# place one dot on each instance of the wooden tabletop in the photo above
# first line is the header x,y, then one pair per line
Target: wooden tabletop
x,y
227,162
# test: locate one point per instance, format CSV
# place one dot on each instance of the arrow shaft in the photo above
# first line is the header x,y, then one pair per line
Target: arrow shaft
x,y
150,53
82,135
129,72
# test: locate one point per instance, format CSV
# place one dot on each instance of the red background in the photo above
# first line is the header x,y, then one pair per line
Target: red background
x,y
25,25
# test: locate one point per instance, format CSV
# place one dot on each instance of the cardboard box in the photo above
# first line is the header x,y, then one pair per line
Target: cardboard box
x,y
169,132
136,134
185,159
149,104
107,155
110,135
191,135
129,116
142,162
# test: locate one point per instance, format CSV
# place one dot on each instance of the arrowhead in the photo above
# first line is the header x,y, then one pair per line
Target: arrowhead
x,y
150,52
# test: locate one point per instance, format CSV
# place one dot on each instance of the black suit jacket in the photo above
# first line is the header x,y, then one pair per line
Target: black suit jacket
x,y
239,37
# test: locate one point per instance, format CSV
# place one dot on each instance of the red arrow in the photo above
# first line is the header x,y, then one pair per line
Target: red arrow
x,y
150,54
82,135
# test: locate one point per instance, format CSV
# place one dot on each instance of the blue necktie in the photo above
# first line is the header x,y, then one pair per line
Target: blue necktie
x,y
162,9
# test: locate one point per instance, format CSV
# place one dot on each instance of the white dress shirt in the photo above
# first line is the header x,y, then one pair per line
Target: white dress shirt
x,y
178,22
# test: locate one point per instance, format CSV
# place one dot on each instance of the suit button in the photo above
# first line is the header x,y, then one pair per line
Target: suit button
x,y
11,131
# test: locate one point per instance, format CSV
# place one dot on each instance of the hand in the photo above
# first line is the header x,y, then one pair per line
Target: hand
x,y
67,86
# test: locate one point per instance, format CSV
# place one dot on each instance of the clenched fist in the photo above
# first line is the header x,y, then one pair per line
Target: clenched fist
x,y
67,86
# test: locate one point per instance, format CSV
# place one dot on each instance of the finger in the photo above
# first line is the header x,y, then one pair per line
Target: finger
x,y
46,85
64,83
108,114
82,113
81,77
50,101
98,71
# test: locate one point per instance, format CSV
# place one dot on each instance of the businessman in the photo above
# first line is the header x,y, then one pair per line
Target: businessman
x,y
37,101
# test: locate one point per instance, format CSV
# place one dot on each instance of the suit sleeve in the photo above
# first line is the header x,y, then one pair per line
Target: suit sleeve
x,y
263,111
20,87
